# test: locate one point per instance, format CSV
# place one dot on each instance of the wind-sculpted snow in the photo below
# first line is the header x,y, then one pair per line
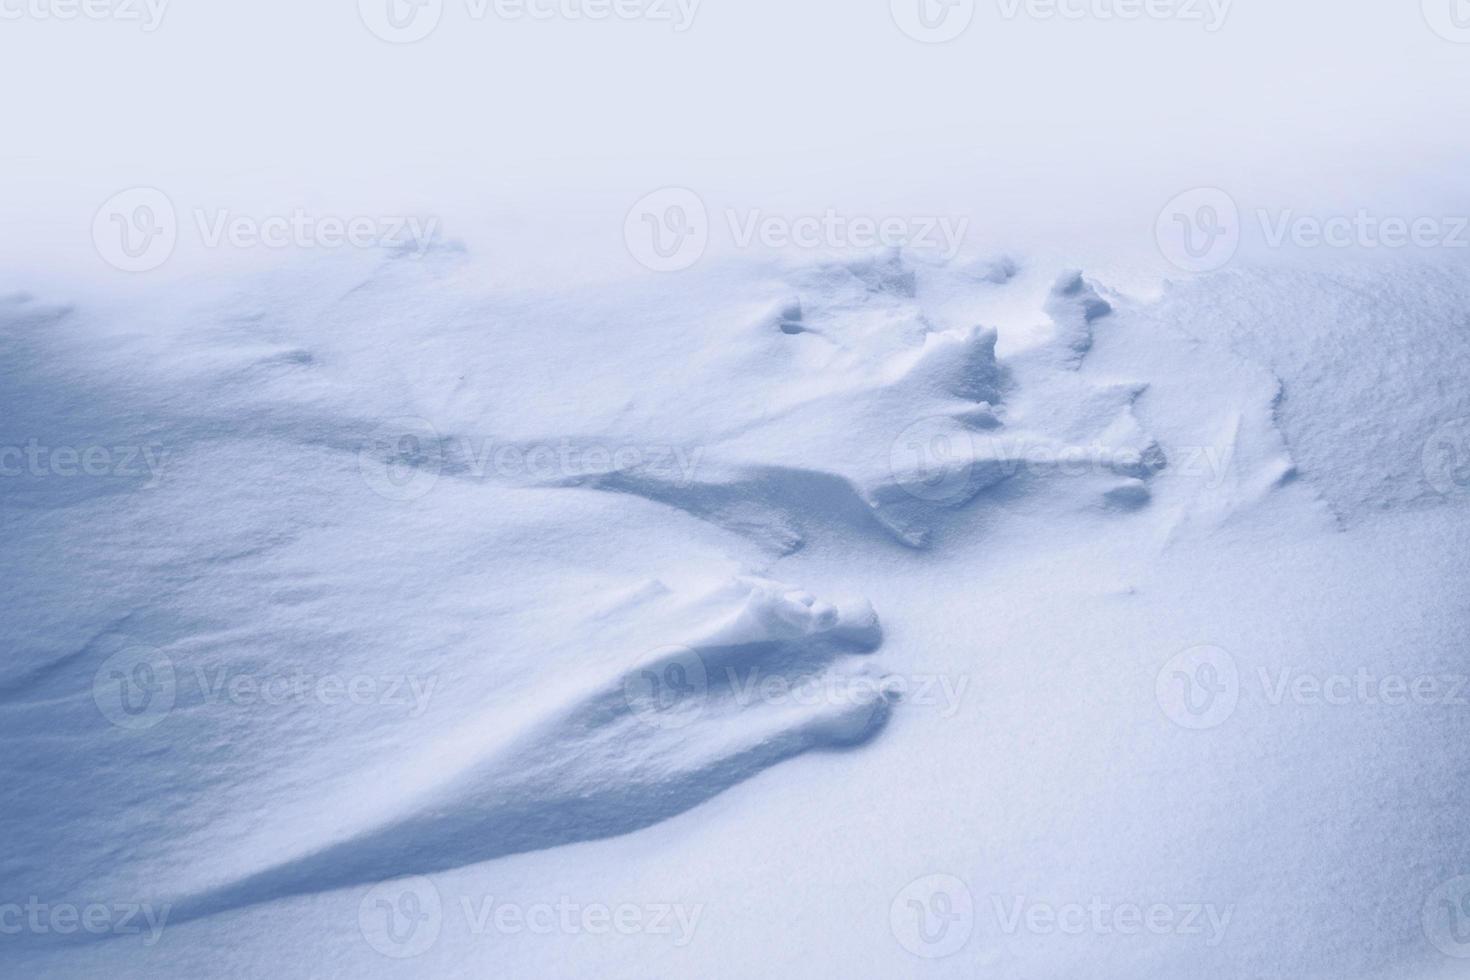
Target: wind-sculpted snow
x,y
917,433
1356,399
330,474
605,755
873,425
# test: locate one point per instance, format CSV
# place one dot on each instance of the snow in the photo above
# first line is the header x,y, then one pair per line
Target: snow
x,y
878,608
1045,597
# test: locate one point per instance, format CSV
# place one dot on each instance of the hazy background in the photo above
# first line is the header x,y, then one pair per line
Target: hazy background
x,y
529,140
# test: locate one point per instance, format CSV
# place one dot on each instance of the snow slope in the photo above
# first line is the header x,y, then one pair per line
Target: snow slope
x,y
831,608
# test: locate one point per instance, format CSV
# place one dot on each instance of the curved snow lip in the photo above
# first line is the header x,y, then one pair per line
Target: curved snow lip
x,y
609,756
774,673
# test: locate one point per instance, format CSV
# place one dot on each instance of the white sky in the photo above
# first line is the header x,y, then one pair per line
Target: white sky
x,y
542,133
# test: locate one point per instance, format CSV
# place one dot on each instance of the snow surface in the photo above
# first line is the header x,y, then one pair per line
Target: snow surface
x,y
824,617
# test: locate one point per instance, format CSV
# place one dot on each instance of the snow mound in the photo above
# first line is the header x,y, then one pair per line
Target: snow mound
x,y
765,672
